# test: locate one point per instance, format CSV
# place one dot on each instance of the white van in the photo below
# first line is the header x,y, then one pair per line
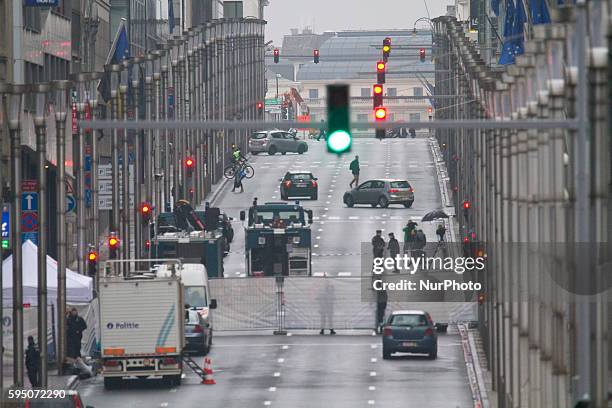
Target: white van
x,y
198,329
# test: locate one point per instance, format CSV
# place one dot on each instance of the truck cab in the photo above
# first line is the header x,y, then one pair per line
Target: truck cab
x,y
278,239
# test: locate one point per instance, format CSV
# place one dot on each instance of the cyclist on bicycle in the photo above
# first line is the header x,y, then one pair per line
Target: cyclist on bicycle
x,y
237,156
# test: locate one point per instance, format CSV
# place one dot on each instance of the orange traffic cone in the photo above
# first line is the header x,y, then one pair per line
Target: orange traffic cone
x,y
208,373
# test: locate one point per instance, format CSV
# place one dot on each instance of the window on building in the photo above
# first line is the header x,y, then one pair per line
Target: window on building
x,y
365,92
417,91
31,19
415,116
33,75
232,9
391,91
313,93
362,117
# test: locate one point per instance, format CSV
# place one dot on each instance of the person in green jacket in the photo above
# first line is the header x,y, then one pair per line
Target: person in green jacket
x,y
354,167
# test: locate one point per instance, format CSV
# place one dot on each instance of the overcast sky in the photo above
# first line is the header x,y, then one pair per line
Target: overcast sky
x,y
326,15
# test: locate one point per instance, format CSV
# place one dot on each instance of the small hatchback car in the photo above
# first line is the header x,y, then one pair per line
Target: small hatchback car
x,y
381,192
410,331
299,184
276,141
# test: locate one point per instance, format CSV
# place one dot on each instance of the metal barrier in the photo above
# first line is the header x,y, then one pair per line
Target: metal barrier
x,y
310,302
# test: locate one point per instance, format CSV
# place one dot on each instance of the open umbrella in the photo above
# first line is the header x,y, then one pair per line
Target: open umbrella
x,y
434,215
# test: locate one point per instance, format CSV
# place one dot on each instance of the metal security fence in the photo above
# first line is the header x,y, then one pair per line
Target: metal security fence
x,y
301,303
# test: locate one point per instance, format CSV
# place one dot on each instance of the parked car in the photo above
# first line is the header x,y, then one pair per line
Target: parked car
x,y
61,399
410,331
299,184
381,192
198,331
276,141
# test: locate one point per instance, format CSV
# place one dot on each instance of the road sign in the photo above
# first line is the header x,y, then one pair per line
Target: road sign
x,y
29,185
170,103
32,236
29,221
5,222
273,101
70,203
41,3
29,201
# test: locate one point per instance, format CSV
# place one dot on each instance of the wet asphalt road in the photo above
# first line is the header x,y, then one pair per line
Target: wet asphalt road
x,y
305,371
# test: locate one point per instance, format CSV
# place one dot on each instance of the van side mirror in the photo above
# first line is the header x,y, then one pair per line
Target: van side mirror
x,y
242,215
213,304
309,212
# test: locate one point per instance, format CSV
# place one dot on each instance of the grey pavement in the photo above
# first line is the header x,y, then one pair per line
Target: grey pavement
x,y
305,371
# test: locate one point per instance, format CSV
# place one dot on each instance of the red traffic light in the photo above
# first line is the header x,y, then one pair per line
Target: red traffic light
x,y
380,113
378,89
276,52
316,52
380,66
92,256
113,242
189,162
260,105
429,110
466,239
145,208
466,205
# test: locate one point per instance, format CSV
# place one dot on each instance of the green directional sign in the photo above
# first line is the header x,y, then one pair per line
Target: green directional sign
x,y
273,101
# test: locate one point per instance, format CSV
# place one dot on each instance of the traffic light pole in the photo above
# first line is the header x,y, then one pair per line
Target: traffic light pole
x,y
138,172
125,173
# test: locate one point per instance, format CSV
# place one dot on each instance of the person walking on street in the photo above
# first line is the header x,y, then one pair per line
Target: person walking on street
x,y
32,362
76,326
321,133
381,307
409,231
238,176
394,249
354,167
440,232
378,245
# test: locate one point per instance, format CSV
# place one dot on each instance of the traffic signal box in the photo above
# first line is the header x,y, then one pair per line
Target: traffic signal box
x,y
380,114
339,139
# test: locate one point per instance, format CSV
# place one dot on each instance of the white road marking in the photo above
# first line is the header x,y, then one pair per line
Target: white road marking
x,y
320,229
333,218
163,404
281,360
289,334
316,245
373,360
352,217
371,402
272,389
277,374
285,347
372,373
172,390
267,403
373,346
372,388
344,273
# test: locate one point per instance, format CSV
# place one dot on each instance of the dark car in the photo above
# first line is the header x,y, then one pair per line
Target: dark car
x,y
299,184
225,224
198,331
410,331
59,399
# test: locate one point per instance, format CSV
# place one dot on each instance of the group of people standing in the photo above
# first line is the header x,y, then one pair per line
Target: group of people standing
x,y
414,240
75,326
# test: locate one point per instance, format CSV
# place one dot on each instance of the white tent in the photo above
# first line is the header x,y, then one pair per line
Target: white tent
x,y
78,287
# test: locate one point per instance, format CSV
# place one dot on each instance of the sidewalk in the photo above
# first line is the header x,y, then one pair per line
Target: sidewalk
x,y
55,381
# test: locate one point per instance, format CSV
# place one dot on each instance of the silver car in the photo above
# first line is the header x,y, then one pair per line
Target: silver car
x,y
381,192
276,141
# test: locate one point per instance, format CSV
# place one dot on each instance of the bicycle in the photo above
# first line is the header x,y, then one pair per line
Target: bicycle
x,y
230,170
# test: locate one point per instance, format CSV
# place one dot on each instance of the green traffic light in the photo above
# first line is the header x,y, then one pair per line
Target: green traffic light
x,y
339,141
5,244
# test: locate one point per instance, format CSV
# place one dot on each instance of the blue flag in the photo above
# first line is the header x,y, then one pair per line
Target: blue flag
x,y
170,16
120,50
507,53
518,30
495,6
539,12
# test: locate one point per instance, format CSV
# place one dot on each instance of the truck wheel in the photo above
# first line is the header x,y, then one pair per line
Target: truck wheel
x,y
111,383
173,380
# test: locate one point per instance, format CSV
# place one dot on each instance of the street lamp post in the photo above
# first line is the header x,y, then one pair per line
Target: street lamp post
x,y
157,174
95,112
165,62
175,44
60,89
139,174
13,115
114,71
79,173
41,91
4,89
125,167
